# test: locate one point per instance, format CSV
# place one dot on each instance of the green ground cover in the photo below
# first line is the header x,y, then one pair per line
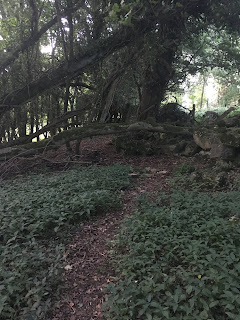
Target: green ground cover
x,y
179,258
36,214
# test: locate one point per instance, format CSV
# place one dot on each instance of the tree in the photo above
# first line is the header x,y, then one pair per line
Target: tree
x,y
87,36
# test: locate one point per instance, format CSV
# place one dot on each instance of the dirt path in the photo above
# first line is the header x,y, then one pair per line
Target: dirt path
x,y
88,267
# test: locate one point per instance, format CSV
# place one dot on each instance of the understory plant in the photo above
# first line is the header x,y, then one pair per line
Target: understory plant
x,y
218,177
179,258
36,215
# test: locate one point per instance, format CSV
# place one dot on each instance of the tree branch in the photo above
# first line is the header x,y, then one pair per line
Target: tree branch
x,y
26,44
98,51
12,56
87,132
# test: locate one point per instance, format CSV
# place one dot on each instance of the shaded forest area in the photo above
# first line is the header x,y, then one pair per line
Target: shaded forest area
x,y
97,146
70,64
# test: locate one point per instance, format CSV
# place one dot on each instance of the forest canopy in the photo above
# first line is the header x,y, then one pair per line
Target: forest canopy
x,y
69,63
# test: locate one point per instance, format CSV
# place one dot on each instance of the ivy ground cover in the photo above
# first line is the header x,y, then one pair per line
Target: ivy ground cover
x,y
36,214
179,259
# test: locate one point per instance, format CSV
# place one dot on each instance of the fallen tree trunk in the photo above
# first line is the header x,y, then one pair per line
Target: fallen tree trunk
x,y
87,132
56,122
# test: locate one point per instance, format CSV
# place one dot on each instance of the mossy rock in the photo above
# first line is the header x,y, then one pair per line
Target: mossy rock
x,y
190,149
222,151
152,143
203,138
231,137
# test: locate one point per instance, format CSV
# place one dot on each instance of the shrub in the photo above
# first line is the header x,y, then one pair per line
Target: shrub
x,y
179,258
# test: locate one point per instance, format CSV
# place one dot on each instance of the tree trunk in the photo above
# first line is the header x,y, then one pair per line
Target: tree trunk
x,y
155,84
202,92
109,100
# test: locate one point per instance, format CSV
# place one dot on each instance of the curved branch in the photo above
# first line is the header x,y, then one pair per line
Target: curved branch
x,y
93,53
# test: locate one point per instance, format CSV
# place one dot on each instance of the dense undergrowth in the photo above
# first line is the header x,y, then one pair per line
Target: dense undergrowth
x,y
36,215
218,177
178,258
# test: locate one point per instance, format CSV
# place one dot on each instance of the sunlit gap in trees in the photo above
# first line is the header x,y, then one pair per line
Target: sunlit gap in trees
x,y
203,92
48,49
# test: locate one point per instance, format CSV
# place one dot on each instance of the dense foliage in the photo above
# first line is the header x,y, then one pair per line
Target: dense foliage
x,y
36,215
65,63
179,258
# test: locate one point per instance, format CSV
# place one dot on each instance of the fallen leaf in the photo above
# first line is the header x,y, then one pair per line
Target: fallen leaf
x,y
71,304
89,291
65,255
110,279
68,267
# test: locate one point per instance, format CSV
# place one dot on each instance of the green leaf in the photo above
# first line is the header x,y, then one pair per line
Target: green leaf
x,y
213,304
189,289
204,314
165,313
149,316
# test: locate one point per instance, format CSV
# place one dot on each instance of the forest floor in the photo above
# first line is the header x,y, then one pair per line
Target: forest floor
x,y
88,264
88,267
